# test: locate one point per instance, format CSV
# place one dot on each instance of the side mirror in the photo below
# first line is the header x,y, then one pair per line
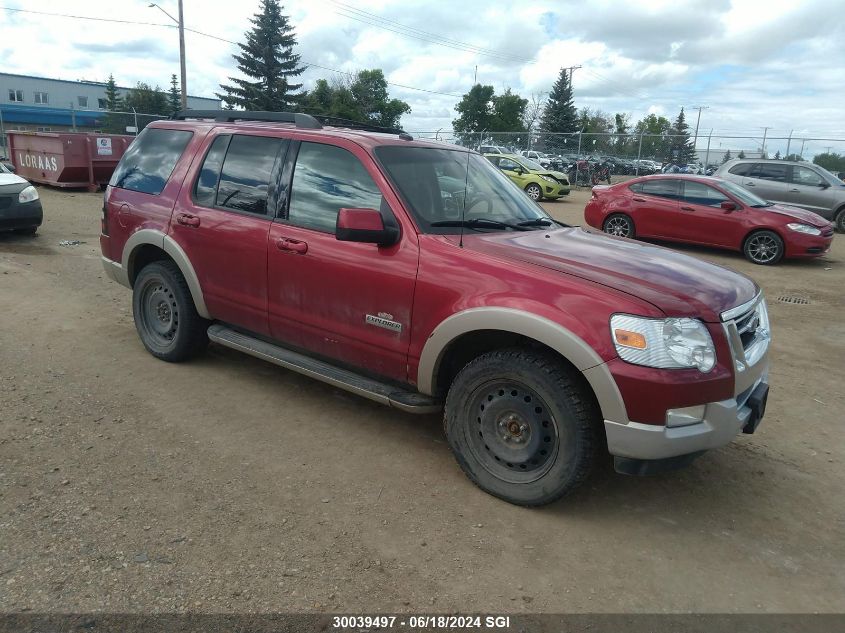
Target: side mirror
x,y
364,225
824,185
728,205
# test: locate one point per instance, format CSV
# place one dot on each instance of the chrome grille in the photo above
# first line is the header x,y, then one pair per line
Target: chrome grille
x,y
747,328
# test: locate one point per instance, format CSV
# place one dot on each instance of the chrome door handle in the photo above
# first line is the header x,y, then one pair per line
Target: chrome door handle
x,y
794,191
748,184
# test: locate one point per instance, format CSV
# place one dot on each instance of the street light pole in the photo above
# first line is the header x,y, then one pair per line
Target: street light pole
x,y
181,24
697,121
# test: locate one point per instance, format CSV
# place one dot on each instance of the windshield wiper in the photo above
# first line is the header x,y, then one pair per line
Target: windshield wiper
x,y
479,223
536,222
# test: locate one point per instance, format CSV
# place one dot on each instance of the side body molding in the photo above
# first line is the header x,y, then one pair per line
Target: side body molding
x,y
551,334
169,246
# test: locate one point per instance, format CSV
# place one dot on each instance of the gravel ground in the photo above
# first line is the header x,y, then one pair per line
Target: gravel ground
x,y
228,484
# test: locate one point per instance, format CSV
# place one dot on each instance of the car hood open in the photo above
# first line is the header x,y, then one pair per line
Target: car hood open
x,y
678,284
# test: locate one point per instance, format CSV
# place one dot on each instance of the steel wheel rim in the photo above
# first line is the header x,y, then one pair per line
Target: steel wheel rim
x,y
763,248
617,226
533,192
159,312
512,432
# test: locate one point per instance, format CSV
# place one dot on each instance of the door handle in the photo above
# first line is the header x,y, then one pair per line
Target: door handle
x,y
187,220
748,184
794,191
638,199
292,246
687,209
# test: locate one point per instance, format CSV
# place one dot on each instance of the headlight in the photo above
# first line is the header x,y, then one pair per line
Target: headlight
x,y
548,178
663,343
803,228
28,195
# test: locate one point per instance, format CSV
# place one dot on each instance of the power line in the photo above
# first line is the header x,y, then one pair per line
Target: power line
x,y
214,37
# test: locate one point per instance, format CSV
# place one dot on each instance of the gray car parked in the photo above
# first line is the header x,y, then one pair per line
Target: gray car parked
x,y
799,184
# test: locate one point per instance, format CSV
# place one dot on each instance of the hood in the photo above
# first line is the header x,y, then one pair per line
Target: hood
x,y
559,175
11,179
796,213
677,284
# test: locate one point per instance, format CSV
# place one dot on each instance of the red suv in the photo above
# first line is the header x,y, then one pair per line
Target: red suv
x,y
710,212
417,275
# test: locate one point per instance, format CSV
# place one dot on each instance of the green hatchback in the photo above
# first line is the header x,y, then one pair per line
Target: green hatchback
x,y
537,181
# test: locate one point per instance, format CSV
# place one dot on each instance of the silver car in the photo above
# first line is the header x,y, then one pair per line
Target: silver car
x,y
799,184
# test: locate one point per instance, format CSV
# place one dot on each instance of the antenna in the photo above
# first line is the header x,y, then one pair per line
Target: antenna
x,y
464,206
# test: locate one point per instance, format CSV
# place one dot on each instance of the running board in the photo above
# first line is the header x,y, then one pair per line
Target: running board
x,y
380,392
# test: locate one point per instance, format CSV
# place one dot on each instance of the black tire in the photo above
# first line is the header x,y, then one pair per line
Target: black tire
x,y
29,230
534,191
839,220
549,418
620,225
763,247
165,315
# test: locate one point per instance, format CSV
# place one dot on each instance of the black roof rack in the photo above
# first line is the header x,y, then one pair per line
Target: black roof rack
x,y
300,119
228,116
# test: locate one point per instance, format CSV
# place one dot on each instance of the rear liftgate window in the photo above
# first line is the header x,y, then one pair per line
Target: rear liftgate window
x,y
149,161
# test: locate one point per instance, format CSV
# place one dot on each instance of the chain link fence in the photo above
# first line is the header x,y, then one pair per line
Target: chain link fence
x,y
639,154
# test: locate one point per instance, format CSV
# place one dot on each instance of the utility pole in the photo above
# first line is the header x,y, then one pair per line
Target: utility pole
x,y
788,143
697,121
763,150
475,76
181,24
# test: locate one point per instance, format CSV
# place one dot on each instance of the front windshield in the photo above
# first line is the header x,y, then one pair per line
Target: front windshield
x,y
831,179
530,164
745,196
439,189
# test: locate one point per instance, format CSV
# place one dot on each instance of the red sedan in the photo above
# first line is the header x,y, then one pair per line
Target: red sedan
x,y
710,212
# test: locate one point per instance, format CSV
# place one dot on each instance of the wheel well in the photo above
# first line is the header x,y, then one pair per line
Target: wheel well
x,y
471,345
143,255
757,230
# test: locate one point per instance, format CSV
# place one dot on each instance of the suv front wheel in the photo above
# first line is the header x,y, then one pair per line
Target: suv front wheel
x,y
165,315
521,426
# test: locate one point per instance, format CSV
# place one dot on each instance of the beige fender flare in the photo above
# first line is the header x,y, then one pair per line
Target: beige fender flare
x,y
169,246
532,326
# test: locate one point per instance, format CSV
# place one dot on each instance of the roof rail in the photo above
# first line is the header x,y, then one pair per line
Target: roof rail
x,y
356,125
228,116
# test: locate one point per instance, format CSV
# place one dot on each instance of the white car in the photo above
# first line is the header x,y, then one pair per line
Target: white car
x,y
538,157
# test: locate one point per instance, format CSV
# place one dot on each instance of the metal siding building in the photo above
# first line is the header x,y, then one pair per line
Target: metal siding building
x,y
35,103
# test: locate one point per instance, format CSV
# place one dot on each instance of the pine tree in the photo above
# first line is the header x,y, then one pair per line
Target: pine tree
x,y
114,102
727,157
559,115
174,96
777,155
741,154
681,149
268,60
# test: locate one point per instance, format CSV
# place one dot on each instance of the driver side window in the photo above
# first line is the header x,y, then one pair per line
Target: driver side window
x,y
508,164
805,176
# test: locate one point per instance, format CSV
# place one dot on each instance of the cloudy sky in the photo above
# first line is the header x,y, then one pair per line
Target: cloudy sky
x,y
778,63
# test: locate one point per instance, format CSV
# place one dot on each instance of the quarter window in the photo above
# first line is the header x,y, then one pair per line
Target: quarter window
x,y
147,164
326,179
205,190
805,176
769,171
662,188
741,170
16,95
698,193
41,97
245,178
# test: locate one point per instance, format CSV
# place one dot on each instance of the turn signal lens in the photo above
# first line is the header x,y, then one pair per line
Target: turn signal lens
x,y
630,339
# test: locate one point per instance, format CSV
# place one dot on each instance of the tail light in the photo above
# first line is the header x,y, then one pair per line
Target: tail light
x,y
104,221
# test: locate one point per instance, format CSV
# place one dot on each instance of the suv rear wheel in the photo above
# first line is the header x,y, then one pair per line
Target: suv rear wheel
x,y
165,315
521,426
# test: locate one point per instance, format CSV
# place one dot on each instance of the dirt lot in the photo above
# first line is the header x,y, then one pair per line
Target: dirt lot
x,y
227,484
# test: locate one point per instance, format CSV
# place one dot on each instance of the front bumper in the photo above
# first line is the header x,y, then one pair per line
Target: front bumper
x,y
722,422
803,245
21,215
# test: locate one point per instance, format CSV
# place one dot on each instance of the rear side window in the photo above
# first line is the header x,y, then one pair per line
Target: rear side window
x,y
663,188
769,171
637,187
805,176
149,161
741,170
326,179
205,190
247,168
